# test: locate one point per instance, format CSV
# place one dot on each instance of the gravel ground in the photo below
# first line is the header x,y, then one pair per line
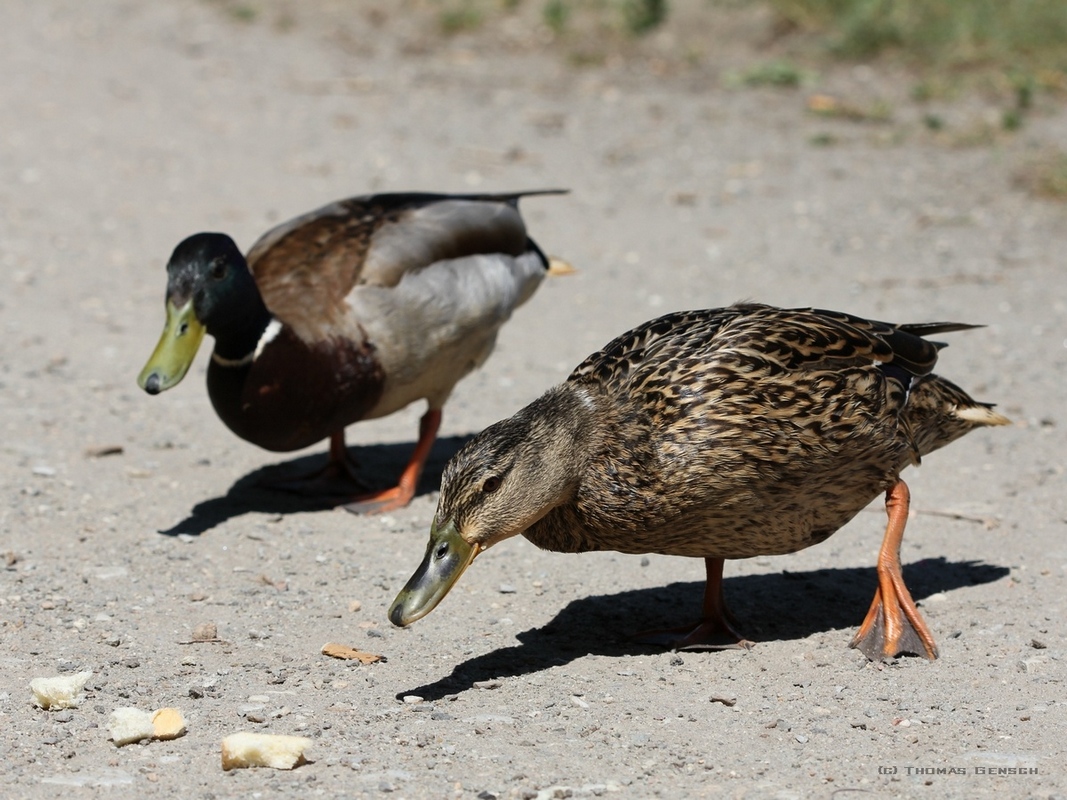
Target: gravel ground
x,y
128,521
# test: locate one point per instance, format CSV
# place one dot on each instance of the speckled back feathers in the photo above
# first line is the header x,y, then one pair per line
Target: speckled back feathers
x,y
737,432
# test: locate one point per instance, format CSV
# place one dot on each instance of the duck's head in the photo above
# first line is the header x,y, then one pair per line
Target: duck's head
x,y
209,288
497,486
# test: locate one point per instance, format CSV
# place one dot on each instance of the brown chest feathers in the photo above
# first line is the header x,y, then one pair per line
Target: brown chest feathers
x,y
293,394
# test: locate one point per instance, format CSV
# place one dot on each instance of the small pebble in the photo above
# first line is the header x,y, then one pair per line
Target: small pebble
x,y
507,588
205,632
1032,665
800,738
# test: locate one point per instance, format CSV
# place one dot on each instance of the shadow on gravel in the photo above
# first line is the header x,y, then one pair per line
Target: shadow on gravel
x,y
776,606
381,463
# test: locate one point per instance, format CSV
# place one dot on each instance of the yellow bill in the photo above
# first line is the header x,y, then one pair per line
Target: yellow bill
x,y
175,352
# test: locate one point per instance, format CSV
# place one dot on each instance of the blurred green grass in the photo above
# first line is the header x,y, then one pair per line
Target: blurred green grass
x,y
633,17
946,34
1022,41
1006,38
1016,48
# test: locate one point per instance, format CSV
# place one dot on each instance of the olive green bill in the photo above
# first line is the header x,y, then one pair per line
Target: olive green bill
x,y
447,555
175,352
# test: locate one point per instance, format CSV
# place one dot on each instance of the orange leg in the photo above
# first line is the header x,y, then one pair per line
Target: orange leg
x,y
893,625
715,631
340,463
401,494
338,478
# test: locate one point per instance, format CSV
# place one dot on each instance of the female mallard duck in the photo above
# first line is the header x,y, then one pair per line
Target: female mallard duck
x,y
727,433
349,312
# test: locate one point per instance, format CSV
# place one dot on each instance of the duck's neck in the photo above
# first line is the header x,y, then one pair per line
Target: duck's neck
x,y
239,334
561,434
615,461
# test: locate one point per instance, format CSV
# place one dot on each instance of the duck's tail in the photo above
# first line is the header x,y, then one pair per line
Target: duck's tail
x,y
939,412
557,267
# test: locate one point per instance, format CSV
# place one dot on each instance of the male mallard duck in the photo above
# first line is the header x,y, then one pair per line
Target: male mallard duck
x,y
349,312
728,433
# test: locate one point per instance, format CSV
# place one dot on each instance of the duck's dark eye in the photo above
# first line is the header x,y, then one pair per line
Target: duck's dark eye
x,y
492,483
218,269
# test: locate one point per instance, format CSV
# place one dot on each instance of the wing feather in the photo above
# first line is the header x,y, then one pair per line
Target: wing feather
x,y
305,268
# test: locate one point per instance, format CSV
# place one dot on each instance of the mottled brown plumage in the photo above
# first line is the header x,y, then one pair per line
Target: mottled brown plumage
x,y
725,433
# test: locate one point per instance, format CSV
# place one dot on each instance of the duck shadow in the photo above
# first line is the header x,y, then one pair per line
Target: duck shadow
x,y
777,606
378,464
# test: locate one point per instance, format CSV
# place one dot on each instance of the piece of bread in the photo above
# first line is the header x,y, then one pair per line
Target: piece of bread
x,y
168,723
240,750
127,725
61,691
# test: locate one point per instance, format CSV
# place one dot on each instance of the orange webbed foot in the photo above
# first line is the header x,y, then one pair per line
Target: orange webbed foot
x,y
715,631
403,493
893,625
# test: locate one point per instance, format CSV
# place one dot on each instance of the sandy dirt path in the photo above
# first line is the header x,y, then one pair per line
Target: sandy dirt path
x,y
128,124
